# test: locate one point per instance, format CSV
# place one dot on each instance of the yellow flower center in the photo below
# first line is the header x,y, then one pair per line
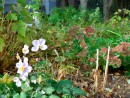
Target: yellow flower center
x,y
22,68
23,50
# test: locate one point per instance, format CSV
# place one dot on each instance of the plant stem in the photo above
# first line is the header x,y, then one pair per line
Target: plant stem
x,y
96,76
106,70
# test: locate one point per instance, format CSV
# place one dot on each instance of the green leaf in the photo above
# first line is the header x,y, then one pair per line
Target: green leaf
x,y
53,83
14,27
21,28
25,40
1,5
114,33
67,96
11,16
49,90
76,91
22,95
53,96
66,91
16,95
23,2
26,16
21,24
38,95
25,88
65,83
2,44
22,31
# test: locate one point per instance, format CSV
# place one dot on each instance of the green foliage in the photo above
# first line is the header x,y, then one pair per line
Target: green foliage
x,y
1,5
70,16
22,95
14,31
110,33
56,28
7,86
66,88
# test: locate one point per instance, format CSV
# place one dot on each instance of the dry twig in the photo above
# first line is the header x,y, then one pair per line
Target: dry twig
x,y
106,70
96,76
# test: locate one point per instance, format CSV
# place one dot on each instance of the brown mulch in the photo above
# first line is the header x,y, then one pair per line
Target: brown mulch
x,y
116,86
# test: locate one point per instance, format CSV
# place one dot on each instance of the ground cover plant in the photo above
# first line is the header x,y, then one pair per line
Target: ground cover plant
x,y
55,56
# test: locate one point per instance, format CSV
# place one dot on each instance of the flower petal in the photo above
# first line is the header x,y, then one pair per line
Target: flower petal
x,y
35,49
23,76
15,79
26,46
25,59
42,41
35,43
44,47
25,50
20,71
29,68
18,83
19,64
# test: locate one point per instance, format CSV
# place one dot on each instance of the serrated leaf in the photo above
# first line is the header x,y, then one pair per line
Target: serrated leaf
x,y
21,28
14,27
22,95
11,16
21,24
49,90
25,88
38,95
76,91
65,83
22,31
66,91
16,95
53,83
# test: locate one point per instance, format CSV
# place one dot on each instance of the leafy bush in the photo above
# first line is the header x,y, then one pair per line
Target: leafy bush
x,y
98,36
16,27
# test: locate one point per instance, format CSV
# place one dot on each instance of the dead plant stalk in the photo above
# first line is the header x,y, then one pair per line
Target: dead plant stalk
x,y
96,72
106,70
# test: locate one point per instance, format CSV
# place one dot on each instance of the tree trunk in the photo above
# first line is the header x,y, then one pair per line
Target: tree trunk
x,y
106,8
83,4
71,2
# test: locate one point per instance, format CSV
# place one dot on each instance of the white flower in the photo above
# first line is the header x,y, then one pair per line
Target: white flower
x,y
25,50
23,68
39,44
17,81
